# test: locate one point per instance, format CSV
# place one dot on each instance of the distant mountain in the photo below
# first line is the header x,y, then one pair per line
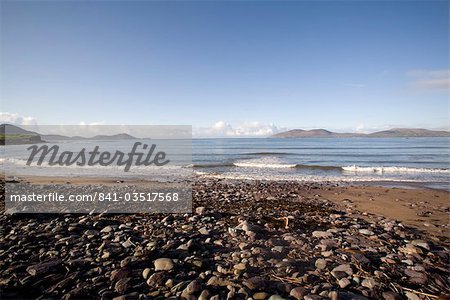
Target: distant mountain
x,y
409,132
120,136
322,133
395,132
13,135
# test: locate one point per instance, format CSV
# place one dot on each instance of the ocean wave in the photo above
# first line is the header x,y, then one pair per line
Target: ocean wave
x,y
263,165
302,178
381,169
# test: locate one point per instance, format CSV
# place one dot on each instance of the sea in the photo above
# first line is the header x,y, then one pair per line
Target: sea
x,y
406,162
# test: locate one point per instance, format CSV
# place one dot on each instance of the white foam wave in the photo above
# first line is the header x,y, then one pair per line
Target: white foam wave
x,y
300,178
381,169
265,162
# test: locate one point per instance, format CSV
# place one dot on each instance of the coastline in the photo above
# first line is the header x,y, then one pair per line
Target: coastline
x,y
424,209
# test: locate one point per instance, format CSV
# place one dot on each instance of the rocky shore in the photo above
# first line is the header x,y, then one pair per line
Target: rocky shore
x,y
244,240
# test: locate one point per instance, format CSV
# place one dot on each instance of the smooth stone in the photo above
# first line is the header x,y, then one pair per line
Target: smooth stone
x,y
203,231
163,264
260,296
344,282
254,283
204,295
369,283
130,296
411,296
322,234
200,210
145,273
421,244
240,267
390,295
416,277
122,285
366,232
157,279
321,264
344,268
298,292
193,287
312,297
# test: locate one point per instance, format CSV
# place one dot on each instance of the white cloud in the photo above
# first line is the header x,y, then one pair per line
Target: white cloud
x,y
360,128
245,129
16,119
431,79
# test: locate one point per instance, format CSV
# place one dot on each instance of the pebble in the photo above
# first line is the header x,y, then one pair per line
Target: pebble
x,y
344,282
321,263
254,283
322,234
390,295
163,264
298,292
146,273
366,232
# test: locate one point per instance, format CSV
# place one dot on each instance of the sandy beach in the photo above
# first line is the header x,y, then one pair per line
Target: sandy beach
x,y
244,240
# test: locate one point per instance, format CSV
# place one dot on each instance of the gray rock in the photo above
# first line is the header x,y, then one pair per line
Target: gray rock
x,y
260,296
204,295
156,279
44,267
313,297
369,283
411,296
130,296
122,285
298,292
193,287
366,232
163,264
240,267
344,268
118,274
107,229
416,277
333,295
146,273
322,234
421,244
321,264
255,283
200,210
390,295
344,282
203,231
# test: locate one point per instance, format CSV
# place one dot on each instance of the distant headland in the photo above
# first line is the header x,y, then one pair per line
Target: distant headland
x,y
14,135
395,132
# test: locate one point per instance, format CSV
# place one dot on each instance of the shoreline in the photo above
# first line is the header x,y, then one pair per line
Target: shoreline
x,y
424,209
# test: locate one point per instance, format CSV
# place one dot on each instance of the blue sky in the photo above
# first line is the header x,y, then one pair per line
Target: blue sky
x,y
227,68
